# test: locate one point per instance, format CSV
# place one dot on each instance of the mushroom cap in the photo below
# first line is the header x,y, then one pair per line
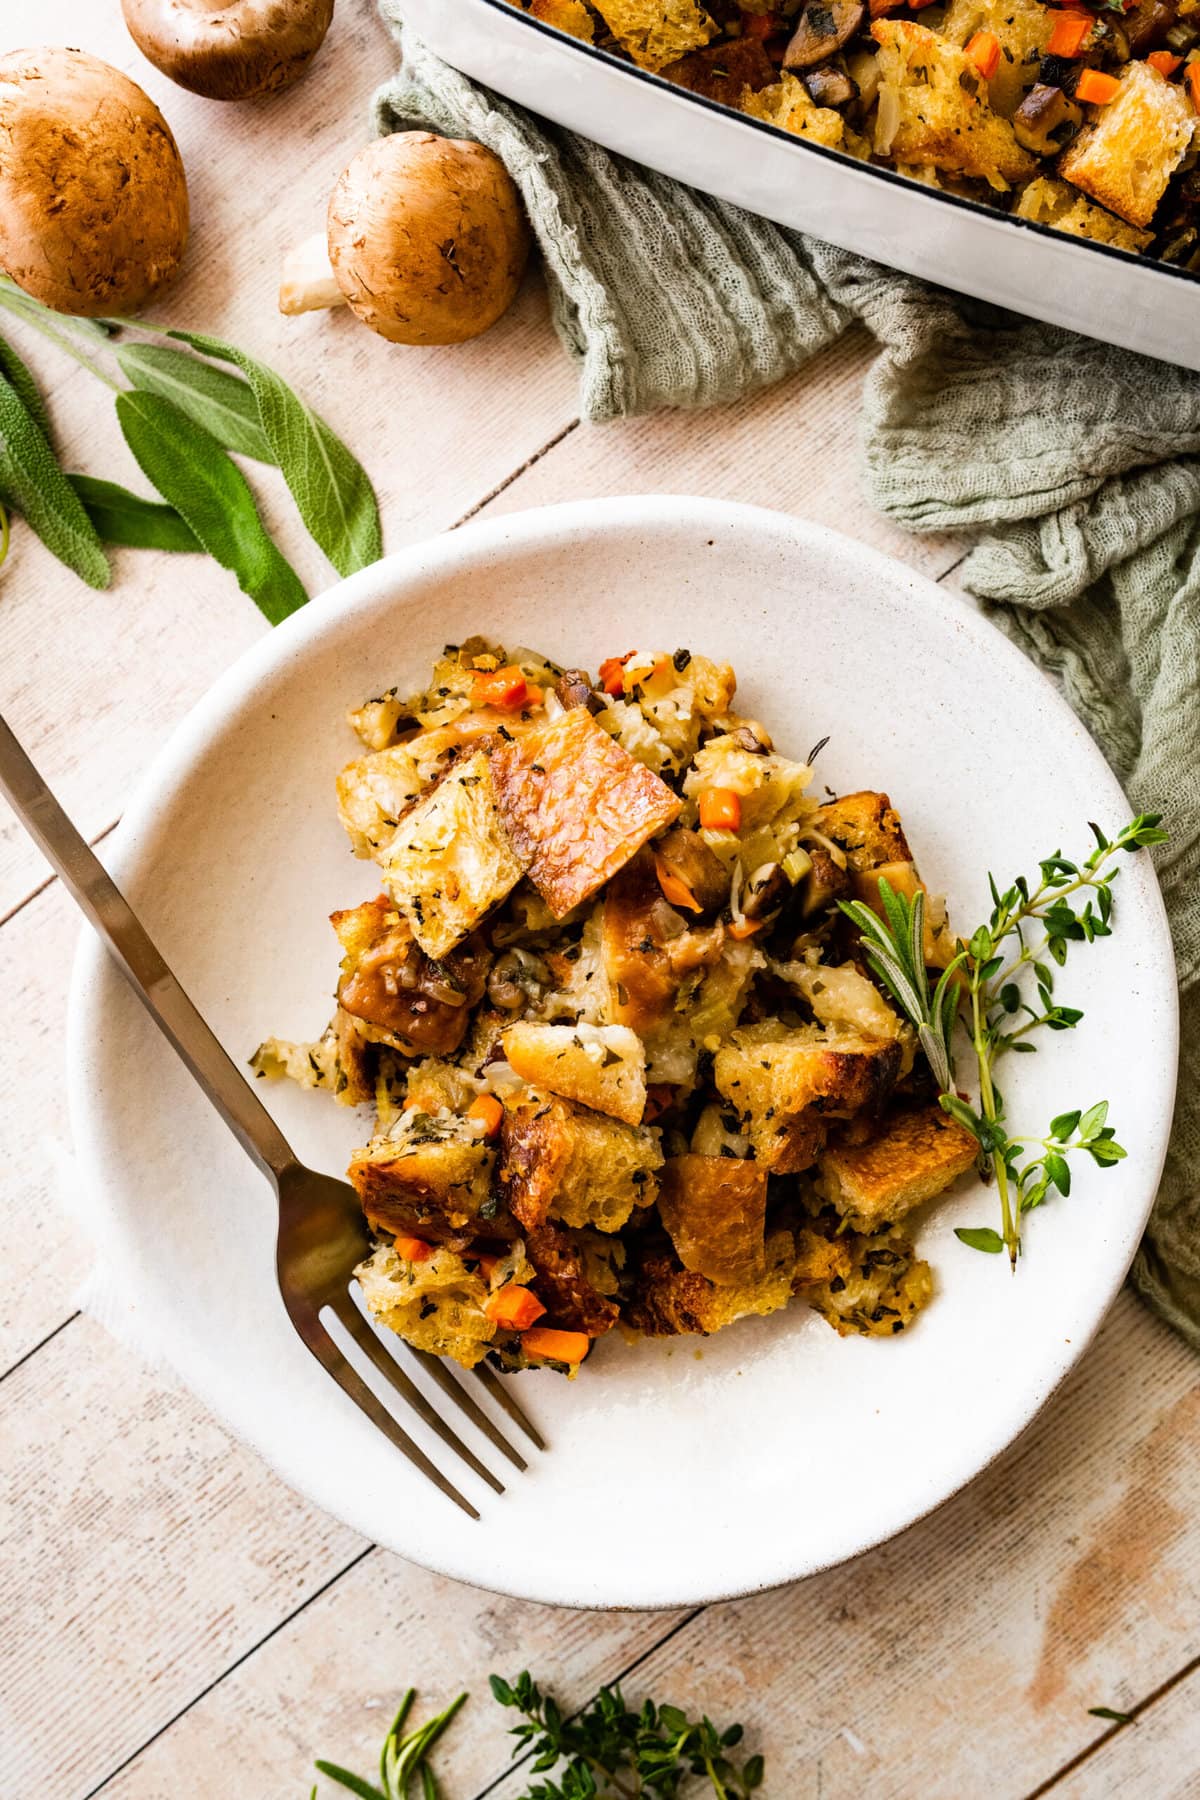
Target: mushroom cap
x,y
229,49
93,198
427,238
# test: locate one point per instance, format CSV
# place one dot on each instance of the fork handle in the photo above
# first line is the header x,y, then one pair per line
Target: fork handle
x,y
88,881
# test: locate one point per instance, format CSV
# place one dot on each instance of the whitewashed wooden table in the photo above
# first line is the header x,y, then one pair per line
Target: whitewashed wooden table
x,y
176,1623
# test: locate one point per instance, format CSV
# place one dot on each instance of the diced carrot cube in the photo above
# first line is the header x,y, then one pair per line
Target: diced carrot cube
x,y
547,1345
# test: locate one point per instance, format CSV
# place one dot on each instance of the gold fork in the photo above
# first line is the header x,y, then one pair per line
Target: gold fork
x,y
322,1234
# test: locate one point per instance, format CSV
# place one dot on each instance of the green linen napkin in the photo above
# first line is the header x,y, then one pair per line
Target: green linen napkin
x,y
1075,468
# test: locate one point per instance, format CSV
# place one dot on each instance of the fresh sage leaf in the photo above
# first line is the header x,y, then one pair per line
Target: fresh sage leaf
x,y
980,1237
35,486
223,404
26,387
330,487
124,518
196,476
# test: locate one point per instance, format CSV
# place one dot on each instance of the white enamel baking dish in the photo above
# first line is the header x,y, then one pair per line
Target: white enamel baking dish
x,y
1104,293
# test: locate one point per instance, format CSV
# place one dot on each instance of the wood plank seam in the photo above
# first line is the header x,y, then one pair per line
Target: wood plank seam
x,y
615,1681
40,1345
1106,1737
252,1650
21,904
529,463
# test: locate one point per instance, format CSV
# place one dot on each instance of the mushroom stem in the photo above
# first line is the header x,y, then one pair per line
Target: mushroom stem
x,y
306,281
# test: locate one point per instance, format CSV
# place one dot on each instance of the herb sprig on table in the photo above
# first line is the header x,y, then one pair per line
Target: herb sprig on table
x,y
605,1751
182,415
1029,932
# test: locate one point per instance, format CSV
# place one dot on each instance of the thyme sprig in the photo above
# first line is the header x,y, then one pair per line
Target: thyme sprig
x,y
1029,933
605,1751
609,1752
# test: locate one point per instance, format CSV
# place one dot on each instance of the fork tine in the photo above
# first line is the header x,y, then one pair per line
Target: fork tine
x,y
352,1383
500,1394
390,1369
435,1367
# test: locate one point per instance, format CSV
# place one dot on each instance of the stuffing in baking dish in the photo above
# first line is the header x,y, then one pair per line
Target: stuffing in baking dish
x,y
1082,119
627,1064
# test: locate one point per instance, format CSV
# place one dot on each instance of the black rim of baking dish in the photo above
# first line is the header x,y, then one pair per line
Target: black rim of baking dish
x,y
1171,271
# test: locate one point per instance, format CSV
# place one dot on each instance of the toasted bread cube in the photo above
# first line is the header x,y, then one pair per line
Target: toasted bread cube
x,y
880,1294
1126,158
576,806
933,108
788,104
788,1087
436,1305
373,792
565,1162
600,1066
1052,202
714,1209
866,826
572,1280
428,1176
1021,27
571,16
669,1301
841,997
657,32
910,1158
725,71
450,860
391,986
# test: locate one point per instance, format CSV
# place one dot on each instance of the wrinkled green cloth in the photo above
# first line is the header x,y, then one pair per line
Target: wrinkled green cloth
x,y
1072,466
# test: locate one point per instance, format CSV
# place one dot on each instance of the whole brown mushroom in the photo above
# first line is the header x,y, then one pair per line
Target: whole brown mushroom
x,y
229,49
427,238
93,198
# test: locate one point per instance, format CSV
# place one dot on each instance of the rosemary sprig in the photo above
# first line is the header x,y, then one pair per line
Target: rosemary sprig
x,y
603,1752
402,1759
1029,932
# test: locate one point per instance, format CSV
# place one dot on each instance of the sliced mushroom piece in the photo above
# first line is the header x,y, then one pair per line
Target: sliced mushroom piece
x,y
765,891
683,856
574,688
829,86
1045,120
824,27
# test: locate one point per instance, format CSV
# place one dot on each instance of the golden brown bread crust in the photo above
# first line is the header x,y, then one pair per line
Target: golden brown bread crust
x,y
535,1147
568,1296
1126,158
788,1090
598,1066
714,1209
724,72
576,806
669,1300
910,1157
580,1165
642,983
867,827
424,1181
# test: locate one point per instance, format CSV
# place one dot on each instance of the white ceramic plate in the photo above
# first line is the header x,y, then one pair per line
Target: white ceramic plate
x,y
682,1471
1134,301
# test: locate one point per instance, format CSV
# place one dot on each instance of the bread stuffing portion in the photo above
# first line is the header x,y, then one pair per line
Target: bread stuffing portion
x,y
623,1067
1078,118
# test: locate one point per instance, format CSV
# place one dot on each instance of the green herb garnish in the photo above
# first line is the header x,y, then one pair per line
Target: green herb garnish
x,y
602,1752
181,417
1029,932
